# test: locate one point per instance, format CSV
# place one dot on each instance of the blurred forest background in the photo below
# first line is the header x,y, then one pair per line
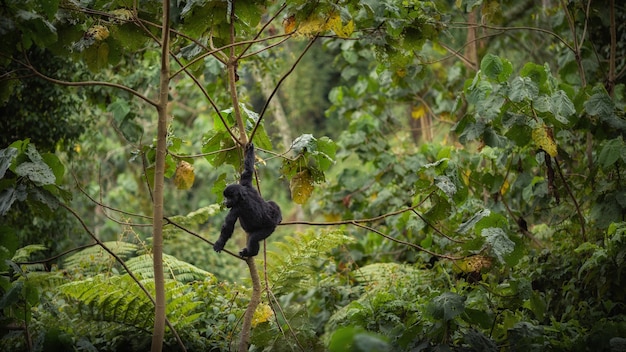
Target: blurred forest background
x,y
449,173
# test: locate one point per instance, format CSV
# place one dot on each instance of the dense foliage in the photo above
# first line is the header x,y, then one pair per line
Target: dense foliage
x,y
450,174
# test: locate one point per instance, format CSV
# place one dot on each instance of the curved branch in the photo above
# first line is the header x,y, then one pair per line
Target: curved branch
x,y
47,260
87,83
282,79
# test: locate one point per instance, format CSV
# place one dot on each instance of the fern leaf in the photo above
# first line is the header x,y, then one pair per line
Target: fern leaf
x,y
292,266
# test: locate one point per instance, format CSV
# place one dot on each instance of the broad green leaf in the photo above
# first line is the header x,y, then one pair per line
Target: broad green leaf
x,y
38,172
328,149
469,224
6,158
9,243
131,130
523,88
447,306
490,220
496,68
446,185
500,244
600,104
304,143
55,165
9,195
120,109
43,196
12,295
561,106
536,73
611,152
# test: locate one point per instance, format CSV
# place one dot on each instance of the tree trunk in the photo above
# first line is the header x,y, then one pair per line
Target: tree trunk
x,y
159,181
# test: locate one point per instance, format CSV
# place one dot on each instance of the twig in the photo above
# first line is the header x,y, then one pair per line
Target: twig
x,y
571,195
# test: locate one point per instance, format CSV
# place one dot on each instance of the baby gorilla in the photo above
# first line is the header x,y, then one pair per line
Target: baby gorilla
x,y
256,216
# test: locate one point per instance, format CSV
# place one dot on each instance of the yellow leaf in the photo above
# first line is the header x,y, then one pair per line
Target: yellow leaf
x,y
262,314
335,24
505,187
418,112
184,177
301,187
475,263
311,27
542,136
98,32
289,24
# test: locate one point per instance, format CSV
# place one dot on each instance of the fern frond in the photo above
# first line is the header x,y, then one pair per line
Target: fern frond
x,y
23,254
295,262
174,268
116,300
95,259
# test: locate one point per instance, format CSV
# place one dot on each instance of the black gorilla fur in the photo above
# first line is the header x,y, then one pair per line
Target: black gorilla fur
x,y
256,216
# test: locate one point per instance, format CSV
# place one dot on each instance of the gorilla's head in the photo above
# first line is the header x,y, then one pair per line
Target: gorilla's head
x,y
232,195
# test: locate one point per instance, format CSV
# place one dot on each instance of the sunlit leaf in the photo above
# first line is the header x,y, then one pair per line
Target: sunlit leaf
x,y
336,25
184,176
98,32
289,24
301,187
542,137
418,112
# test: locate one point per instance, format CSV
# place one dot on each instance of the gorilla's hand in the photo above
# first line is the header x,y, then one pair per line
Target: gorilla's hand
x,y
218,246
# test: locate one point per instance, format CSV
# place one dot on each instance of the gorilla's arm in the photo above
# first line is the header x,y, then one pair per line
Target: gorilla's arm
x,y
248,167
227,229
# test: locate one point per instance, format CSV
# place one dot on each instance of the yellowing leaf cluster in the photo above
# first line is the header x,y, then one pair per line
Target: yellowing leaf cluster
x,y
475,264
262,314
418,112
316,25
301,187
542,136
184,177
98,32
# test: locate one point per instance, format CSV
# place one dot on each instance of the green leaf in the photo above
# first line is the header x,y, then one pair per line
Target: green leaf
x,y
355,338
9,195
6,158
536,73
328,148
38,172
561,106
611,152
523,88
500,244
55,165
600,104
446,185
447,306
471,222
8,245
12,295
304,143
496,68
119,108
